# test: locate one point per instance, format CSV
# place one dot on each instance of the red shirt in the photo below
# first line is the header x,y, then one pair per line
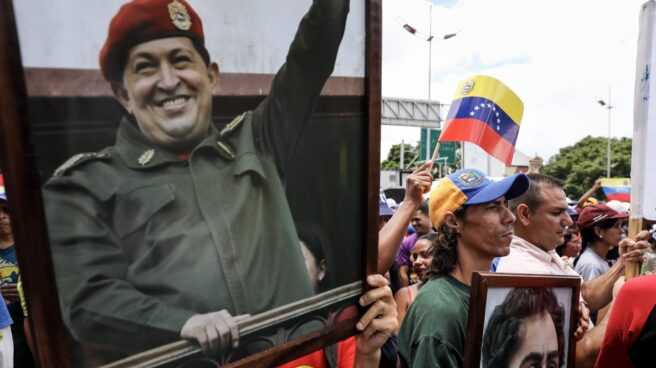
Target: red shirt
x,y
317,359
631,330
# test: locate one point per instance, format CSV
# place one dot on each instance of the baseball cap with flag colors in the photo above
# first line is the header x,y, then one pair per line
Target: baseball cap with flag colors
x,y
471,186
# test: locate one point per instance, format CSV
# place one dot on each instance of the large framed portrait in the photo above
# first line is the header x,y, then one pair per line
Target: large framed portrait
x,y
218,162
522,320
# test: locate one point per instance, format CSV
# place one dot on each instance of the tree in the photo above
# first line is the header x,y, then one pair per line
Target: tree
x,y
410,157
584,162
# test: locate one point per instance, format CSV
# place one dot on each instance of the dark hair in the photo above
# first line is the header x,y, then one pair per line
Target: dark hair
x,y
533,196
502,334
444,250
588,235
431,238
568,236
316,241
423,207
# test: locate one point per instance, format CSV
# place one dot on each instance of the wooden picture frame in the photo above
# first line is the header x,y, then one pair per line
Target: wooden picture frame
x,y
32,94
496,302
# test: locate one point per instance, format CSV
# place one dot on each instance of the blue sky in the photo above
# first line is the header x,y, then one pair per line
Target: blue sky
x,y
559,56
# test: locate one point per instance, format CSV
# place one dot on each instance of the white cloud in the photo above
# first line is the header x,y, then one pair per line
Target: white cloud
x,y
559,56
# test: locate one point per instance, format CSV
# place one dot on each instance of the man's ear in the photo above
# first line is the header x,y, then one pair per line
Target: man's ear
x,y
523,214
451,221
213,73
322,270
121,95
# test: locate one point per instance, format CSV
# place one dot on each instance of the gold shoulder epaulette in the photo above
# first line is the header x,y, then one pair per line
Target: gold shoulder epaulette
x,y
77,159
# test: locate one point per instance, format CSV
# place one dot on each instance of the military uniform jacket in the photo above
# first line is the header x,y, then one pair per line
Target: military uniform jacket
x,y
143,240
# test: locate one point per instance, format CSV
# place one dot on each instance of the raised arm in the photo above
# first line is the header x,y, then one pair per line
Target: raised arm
x,y
281,117
391,235
589,193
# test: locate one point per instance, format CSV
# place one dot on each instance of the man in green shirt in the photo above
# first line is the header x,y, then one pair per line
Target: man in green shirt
x,y
179,227
474,226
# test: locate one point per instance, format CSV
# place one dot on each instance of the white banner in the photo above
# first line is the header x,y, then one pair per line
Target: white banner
x,y
643,160
245,36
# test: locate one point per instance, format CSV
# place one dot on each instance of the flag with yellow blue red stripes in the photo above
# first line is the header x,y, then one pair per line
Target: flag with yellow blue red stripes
x,y
487,113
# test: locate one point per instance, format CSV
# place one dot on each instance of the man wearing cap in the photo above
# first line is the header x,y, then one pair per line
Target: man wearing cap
x,y
474,225
180,226
540,227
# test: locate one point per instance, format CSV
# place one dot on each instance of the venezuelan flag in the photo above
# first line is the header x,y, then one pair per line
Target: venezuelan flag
x,y
487,113
617,188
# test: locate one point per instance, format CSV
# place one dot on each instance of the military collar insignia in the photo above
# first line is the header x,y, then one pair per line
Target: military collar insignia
x,y
145,157
225,150
179,15
232,126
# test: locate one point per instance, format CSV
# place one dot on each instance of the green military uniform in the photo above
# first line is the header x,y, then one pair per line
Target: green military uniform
x,y
142,240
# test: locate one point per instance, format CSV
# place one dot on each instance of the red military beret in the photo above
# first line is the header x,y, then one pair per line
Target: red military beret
x,y
145,20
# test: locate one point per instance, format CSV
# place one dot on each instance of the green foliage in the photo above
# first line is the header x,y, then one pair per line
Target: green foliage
x,y
410,157
584,162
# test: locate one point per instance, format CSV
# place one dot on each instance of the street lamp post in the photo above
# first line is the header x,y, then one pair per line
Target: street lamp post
x,y
430,47
607,106
429,39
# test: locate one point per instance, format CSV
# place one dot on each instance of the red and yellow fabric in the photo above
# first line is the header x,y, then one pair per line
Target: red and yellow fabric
x,y
487,113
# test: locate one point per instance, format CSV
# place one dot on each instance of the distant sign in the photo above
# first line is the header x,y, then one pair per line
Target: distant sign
x,y
447,149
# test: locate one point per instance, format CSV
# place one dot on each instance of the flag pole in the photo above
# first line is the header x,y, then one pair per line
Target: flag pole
x,y
437,148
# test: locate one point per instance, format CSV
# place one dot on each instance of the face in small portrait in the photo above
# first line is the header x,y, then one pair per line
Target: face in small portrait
x,y
539,344
525,330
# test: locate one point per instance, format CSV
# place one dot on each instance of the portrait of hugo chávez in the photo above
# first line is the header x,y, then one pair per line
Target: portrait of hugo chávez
x,y
181,229
526,330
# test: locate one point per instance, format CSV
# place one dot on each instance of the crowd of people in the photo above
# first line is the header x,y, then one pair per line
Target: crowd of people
x,y
523,224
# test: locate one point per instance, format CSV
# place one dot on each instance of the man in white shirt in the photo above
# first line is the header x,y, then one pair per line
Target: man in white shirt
x,y
540,227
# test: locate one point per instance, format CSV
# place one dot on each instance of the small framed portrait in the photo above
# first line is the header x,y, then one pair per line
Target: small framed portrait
x,y
522,320
173,165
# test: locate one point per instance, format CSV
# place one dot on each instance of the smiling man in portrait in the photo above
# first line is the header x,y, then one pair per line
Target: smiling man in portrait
x,y
181,228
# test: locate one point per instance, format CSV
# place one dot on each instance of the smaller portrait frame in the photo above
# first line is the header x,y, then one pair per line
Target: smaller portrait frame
x,y
490,290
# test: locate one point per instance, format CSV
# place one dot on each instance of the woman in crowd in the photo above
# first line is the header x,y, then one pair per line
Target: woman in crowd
x,y
421,260
601,229
570,248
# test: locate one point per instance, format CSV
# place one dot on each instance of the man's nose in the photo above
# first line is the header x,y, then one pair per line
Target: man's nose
x,y
168,77
567,220
509,217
